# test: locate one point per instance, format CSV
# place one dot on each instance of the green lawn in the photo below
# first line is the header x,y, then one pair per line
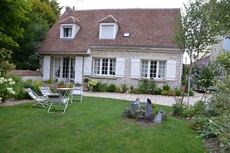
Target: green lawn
x,y
93,126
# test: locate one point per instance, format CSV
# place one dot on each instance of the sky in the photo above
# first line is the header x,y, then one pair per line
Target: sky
x,y
108,4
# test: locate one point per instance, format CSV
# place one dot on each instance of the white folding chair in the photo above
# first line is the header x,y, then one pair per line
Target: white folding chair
x,y
40,100
78,92
57,102
45,91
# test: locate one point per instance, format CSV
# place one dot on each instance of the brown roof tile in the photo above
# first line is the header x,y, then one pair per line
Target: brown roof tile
x,y
147,28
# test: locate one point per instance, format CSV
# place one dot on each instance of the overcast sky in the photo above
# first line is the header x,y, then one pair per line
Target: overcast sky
x,y
106,4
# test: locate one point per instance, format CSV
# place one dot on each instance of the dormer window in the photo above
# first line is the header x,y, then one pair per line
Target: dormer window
x,y
108,28
107,31
69,27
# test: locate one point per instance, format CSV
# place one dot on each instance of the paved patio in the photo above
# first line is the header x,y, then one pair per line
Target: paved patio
x,y
158,99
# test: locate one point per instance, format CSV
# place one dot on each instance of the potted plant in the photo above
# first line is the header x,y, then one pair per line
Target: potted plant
x,y
140,113
183,85
85,87
126,112
61,84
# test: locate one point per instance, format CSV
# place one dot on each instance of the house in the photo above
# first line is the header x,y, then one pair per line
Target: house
x,y
118,46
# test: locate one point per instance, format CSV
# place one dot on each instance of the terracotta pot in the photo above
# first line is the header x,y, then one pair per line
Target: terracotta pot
x,y
182,88
62,86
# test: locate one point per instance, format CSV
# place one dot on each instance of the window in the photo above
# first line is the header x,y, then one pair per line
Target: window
x,y
108,30
67,32
104,66
153,69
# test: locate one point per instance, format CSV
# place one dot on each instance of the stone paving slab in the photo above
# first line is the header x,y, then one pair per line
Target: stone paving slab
x,y
157,99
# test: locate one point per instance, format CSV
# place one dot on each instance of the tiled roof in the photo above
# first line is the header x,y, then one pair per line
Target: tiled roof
x,y
108,19
70,19
26,73
147,28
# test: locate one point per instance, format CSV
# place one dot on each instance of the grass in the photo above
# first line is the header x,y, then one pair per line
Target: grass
x,y
93,126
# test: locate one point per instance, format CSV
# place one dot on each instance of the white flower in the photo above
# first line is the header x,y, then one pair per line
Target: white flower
x,y
210,121
10,79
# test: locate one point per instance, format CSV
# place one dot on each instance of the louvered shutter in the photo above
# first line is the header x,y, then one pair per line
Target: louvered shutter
x,y
135,68
87,65
120,67
46,68
170,70
78,69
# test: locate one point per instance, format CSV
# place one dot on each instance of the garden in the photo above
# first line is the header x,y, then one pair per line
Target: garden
x,y
186,126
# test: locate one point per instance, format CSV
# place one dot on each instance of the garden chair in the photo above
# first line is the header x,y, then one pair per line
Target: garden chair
x,y
41,101
46,91
57,102
77,92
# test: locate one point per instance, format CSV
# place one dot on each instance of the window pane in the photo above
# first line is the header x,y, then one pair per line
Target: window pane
x,y
65,71
112,67
72,68
144,68
104,66
153,69
57,67
67,32
96,66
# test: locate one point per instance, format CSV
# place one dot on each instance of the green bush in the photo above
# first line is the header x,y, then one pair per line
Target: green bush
x,y
124,88
164,92
166,87
136,91
178,93
191,93
102,87
177,109
18,87
112,88
158,91
131,87
147,86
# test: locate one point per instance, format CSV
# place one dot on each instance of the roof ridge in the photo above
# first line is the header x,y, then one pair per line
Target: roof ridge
x,y
127,9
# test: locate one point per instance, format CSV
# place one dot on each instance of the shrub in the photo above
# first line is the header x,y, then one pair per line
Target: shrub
x,y
191,93
166,87
164,92
112,88
6,89
124,88
86,79
18,87
131,87
92,83
147,86
178,93
158,91
135,91
177,109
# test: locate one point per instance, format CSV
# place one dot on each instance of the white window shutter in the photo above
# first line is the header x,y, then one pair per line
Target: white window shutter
x,y
46,68
78,69
87,65
107,31
120,67
135,68
170,70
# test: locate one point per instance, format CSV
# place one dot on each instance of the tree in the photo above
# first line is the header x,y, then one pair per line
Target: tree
x,y
13,14
41,17
219,14
5,66
193,34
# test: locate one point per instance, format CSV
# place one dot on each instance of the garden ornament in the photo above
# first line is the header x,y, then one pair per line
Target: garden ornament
x,y
148,108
